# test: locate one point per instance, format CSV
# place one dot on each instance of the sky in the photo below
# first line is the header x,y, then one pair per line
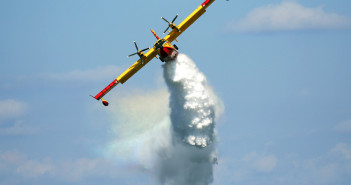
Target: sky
x,y
279,68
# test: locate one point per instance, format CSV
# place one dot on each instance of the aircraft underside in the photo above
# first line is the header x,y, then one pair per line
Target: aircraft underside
x,y
168,54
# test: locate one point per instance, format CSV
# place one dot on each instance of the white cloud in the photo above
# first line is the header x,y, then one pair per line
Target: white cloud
x,y
289,16
12,157
17,129
265,163
261,163
25,169
329,167
96,74
344,149
11,109
35,169
13,162
84,167
343,127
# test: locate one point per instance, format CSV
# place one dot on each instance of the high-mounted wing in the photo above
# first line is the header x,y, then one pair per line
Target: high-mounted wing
x,y
162,47
145,58
177,30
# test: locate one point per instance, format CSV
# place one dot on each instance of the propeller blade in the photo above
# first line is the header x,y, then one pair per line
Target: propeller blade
x,y
136,46
145,49
175,18
138,51
132,54
166,30
165,20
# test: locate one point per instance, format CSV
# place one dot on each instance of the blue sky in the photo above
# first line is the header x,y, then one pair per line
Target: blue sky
x,y
281,69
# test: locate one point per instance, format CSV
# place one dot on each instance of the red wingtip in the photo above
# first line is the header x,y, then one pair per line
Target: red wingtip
x,y
206,2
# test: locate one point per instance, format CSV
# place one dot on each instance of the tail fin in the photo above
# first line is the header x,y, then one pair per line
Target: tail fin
x,y
155,34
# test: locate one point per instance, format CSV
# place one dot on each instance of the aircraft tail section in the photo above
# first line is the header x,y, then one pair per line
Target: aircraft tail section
x,y
158,38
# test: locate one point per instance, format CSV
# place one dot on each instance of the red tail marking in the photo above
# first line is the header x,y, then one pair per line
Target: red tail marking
x,y
158,38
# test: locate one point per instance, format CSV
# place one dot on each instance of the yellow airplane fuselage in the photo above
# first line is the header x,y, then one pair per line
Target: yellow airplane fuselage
x,y
162,47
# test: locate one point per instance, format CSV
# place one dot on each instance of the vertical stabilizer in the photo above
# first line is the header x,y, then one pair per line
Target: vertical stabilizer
x,y
158,38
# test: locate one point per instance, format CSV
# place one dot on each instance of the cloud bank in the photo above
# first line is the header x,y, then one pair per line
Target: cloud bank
x,y
261,163
26,170
289,16
10,108
11,123
332,166
344,127
99,73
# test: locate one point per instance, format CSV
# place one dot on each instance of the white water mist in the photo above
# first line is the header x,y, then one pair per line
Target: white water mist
x,y
191,154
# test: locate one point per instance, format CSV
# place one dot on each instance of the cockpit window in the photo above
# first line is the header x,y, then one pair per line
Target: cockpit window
x,y
159,43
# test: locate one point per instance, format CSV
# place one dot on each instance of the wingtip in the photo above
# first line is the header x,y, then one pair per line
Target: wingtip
x,y
93,97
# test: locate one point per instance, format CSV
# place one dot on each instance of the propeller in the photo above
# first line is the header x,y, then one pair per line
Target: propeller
x,y
170,24
139,52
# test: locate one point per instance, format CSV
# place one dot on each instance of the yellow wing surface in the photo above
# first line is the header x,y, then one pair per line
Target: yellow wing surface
x,y
189,21
128,73
153,52
137,66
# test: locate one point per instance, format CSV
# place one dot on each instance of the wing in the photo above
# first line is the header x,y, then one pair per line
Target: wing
x,y
128,73
153,52
189,20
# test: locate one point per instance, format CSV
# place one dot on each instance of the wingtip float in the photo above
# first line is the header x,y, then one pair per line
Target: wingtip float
x,y
162,48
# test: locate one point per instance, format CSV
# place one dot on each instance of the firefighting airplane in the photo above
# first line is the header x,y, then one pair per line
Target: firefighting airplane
x,y
162,47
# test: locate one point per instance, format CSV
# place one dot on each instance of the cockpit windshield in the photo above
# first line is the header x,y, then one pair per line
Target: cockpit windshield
x,y
159,43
